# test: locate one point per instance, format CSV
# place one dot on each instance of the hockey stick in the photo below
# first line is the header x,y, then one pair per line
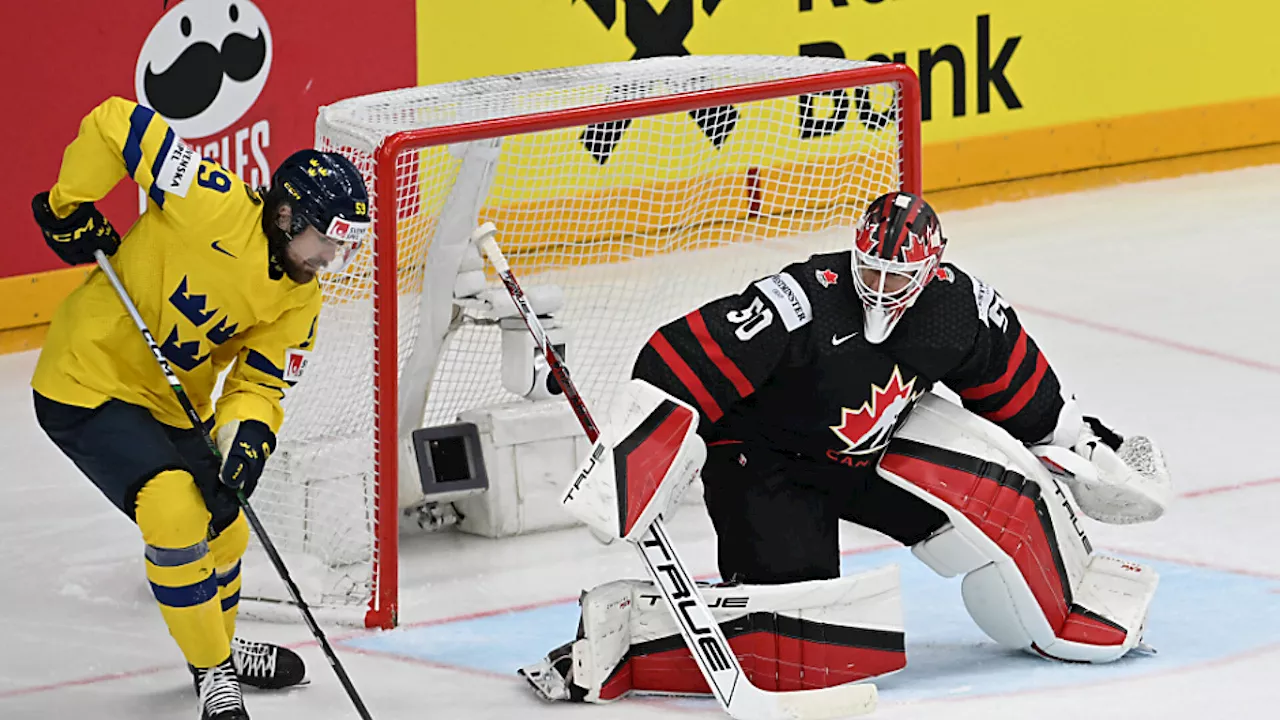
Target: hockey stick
x,y
197,424
706,641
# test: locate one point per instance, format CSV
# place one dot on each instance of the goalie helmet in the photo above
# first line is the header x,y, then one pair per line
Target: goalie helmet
x,y
327,192
897,247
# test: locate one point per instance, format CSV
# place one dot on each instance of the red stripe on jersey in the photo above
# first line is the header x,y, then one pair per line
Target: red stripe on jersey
x,y
687,376
1001,383
713,351
1024,394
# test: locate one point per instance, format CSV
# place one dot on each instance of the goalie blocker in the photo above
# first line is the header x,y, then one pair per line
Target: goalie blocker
x,y
1031,579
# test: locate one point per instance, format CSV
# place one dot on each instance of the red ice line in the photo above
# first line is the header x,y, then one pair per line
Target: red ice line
x,y
1153,339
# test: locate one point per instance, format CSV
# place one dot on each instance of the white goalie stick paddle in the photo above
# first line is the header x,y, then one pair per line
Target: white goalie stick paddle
x,y
706,641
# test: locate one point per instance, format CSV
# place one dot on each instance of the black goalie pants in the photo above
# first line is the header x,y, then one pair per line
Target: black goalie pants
x,y
777,515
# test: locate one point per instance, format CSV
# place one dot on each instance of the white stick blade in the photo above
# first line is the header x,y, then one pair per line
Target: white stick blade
x,y
841,701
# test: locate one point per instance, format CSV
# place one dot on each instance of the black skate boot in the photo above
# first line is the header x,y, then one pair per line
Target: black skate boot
x,y
219,690
266,666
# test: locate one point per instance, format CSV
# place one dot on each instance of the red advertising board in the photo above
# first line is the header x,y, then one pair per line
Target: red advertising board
x,y
239,79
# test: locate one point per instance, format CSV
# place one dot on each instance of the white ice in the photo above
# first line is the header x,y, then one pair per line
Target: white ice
x,y
1157,304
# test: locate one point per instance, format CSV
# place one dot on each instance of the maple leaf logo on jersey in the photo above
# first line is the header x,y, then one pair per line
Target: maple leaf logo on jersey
x,y
826,277
868,429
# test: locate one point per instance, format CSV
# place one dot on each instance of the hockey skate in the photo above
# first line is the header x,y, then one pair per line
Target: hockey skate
x,y
266,666
220,697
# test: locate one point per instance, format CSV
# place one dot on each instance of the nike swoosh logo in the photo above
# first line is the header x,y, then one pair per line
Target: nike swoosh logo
x,y
224,252
836,339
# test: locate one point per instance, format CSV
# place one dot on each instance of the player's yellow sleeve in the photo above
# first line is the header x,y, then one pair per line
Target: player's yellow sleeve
x,y
270,361
119,138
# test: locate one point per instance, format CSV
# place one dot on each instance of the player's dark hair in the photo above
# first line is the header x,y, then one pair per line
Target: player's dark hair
x,y
277,238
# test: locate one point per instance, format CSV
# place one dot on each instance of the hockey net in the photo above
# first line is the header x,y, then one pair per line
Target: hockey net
x,y
641,189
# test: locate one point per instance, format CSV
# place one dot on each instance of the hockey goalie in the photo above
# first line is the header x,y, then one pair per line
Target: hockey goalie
x,y
808,403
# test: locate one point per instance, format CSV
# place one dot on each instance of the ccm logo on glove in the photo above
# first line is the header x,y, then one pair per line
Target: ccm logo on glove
x,y
75,237
245,448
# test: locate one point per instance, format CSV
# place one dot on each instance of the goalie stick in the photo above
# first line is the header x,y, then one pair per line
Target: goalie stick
x,y
250,515
706,641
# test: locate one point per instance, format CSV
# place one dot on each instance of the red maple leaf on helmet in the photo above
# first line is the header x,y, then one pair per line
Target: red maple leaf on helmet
x,y
826,277
868,429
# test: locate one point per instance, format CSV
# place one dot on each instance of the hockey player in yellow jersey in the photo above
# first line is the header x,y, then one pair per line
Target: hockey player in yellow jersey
x,y
224,275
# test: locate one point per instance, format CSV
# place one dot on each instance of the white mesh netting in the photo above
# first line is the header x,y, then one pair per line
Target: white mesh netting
x,y
638,220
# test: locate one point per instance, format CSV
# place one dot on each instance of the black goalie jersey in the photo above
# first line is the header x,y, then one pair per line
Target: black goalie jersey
x,y
785,363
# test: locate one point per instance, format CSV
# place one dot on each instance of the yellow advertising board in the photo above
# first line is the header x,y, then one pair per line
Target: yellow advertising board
x,y
1012,89
1038,86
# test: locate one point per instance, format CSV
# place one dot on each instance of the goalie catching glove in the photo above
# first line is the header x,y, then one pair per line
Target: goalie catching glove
x,y
1113,479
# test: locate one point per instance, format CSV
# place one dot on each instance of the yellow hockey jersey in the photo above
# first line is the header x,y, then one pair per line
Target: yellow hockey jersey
x,y
196,265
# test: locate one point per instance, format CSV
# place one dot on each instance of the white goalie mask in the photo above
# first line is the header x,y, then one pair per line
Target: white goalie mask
x,y
896,252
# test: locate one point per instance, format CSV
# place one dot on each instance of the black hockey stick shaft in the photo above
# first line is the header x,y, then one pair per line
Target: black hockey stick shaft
x,y
198,425
556,363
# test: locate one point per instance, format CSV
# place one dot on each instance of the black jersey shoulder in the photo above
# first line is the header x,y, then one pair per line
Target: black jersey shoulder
x,y
940,329
822,271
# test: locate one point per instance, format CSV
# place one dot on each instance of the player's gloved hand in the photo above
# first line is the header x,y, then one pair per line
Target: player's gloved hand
x,y
1124,479
75,237
245,447
1097,432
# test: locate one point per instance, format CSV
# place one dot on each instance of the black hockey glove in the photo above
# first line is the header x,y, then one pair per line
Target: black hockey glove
x,y
75,237
244,457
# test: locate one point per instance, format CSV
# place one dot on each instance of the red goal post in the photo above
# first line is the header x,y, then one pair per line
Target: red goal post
x,y
562,221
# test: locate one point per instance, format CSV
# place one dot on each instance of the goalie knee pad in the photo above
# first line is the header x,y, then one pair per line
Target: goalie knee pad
x,y
798,636
1031,579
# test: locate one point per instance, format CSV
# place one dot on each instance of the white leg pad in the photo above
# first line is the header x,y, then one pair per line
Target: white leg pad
x,y
1113,596
1031,581
994,606
814,634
